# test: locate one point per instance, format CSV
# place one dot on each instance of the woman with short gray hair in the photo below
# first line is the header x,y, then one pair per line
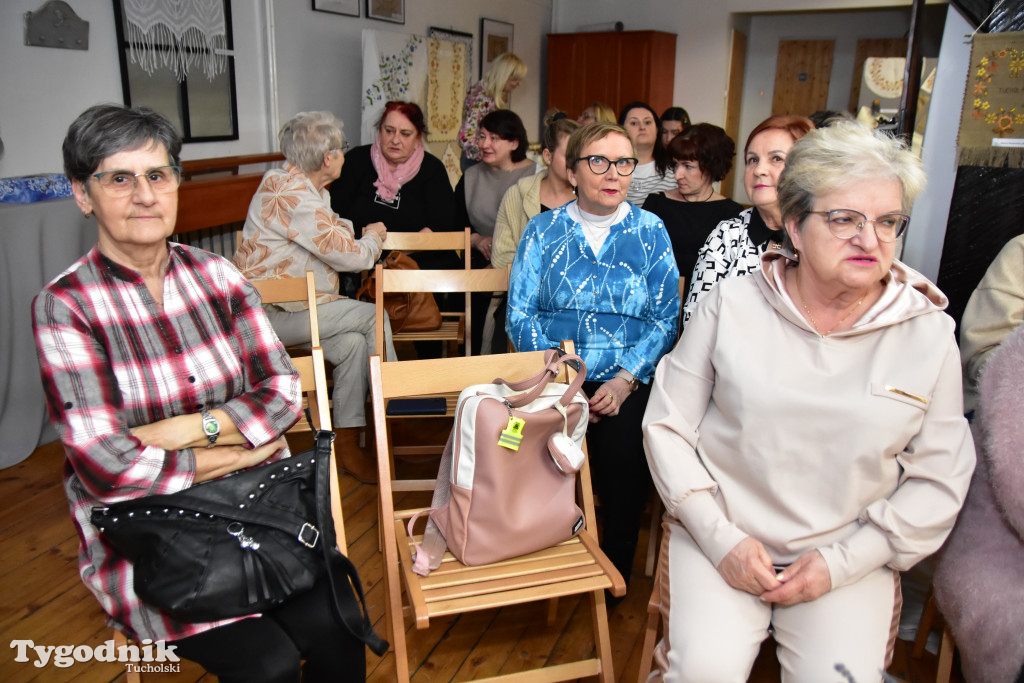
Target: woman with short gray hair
x,y
161,371
799,480
308,136
291,228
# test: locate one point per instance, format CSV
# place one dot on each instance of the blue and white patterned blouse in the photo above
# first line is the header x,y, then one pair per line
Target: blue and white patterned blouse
x,y
621,308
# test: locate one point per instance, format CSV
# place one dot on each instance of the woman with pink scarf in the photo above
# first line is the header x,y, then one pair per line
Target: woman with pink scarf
x,y
396,182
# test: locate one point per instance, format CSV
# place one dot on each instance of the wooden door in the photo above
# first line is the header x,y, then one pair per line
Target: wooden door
x,y
872,47
802,75
733,104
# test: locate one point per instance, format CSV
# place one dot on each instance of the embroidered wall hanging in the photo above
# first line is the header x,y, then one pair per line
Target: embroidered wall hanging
x,y
394,68
446,88
992,120
176,34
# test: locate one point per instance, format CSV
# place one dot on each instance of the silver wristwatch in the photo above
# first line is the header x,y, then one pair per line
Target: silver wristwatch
x,y
211,427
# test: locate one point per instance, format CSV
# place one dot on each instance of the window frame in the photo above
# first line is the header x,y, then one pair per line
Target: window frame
x,y
182,94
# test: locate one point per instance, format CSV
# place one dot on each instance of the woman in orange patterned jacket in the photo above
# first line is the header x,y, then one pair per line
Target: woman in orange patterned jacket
x,y
290,229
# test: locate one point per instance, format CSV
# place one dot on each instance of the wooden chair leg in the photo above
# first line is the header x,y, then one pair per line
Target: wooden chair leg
x,y
602,636
946,650
924,626
651,632
130,676
652,539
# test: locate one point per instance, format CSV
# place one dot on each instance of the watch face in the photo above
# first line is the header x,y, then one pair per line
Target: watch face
x,y
210,426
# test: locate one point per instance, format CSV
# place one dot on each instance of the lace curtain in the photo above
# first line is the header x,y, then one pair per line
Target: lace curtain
x,y
177,34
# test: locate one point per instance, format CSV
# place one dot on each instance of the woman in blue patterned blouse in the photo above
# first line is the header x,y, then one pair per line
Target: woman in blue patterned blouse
x,y
601,272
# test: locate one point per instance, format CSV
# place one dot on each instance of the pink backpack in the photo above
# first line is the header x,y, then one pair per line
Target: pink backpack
x,y
507,480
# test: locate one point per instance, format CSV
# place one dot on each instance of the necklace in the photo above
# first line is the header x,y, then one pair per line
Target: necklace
x,y
698,201
810,318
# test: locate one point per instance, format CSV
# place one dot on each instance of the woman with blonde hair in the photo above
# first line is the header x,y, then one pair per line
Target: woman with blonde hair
x,y
491,92
598,112
802,475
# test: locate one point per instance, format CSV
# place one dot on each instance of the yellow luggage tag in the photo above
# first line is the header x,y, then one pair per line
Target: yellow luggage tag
x,y
512,435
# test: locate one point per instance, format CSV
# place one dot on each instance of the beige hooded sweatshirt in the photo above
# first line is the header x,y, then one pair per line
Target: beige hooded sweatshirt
x,y
854,444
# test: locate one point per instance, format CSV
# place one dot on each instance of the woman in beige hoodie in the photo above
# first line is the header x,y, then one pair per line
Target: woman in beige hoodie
x,y
800,474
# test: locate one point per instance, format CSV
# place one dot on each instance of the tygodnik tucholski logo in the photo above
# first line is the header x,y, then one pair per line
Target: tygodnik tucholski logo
x,y
146,657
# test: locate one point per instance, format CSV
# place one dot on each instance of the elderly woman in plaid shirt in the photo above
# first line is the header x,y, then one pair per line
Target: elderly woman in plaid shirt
x,y
161,371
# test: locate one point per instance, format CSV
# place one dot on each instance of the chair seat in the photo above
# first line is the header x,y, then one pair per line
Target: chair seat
x,y
450,330
568,568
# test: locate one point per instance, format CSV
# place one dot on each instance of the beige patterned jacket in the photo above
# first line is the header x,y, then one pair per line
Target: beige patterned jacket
x,y
291,228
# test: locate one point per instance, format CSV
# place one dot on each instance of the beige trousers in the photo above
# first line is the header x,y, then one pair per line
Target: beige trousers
x,y
713,632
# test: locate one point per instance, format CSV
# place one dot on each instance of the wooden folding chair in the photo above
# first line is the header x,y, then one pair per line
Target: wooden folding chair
x,y
576,567
453,324
468,281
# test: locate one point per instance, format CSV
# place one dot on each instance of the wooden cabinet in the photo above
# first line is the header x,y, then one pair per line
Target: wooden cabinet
x,y
616,67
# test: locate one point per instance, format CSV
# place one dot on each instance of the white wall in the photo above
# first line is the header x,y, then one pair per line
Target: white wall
x,y
43,89
318,66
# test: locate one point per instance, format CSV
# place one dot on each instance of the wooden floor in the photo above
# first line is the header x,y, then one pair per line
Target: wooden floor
x,y
43,600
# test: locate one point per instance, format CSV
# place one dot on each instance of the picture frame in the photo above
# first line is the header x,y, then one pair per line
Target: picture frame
x,y
495,39
467,39
348,8
386,10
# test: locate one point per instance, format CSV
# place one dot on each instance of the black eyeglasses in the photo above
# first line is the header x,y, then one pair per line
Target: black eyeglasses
x,y
600,165
845,223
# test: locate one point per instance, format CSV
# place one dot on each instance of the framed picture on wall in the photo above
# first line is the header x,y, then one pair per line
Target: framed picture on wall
x,y
386,10
495,39
349,8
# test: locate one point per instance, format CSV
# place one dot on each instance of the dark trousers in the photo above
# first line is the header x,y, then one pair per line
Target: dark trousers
x,y
622,479
271,648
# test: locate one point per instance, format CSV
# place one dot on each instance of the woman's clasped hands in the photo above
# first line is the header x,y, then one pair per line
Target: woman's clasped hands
x,y
748,567
609,397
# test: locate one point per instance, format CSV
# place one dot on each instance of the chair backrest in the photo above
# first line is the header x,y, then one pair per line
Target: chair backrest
x,y
431,241
289,290
435,281
312,372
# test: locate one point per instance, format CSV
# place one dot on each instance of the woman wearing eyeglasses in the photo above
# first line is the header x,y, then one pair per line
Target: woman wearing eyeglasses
x,y
806,434
161,371
600,271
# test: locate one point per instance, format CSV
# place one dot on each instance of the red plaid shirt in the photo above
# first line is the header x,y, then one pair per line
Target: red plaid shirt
x,y
111,359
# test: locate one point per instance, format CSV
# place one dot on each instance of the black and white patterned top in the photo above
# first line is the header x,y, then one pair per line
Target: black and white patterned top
x,y
733,248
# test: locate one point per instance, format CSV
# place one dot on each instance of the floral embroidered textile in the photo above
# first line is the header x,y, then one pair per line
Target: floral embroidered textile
x,y
446,88
394,68
992,120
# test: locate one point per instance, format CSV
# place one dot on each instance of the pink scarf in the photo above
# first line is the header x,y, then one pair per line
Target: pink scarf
x,y
389,182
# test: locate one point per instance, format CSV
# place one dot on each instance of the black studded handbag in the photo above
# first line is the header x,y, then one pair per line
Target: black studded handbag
x,y
241,544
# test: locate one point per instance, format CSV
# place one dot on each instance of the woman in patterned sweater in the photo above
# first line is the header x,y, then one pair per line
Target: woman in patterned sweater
x,y
600,271
736,245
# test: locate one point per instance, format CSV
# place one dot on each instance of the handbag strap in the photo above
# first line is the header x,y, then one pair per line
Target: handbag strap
x,y
343,576
552,359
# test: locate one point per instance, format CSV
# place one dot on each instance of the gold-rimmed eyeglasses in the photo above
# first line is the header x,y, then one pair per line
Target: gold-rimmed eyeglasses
x,y
600,165
845,223
161,179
